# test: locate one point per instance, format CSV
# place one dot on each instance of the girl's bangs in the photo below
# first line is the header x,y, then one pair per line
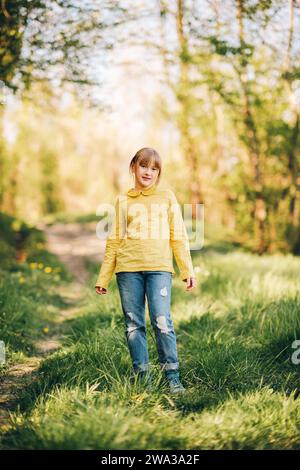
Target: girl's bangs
x,y
146,160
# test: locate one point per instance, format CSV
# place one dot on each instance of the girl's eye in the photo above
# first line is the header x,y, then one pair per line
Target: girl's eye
x,y
144,166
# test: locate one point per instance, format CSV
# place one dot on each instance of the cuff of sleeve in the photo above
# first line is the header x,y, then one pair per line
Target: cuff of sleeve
x,y
186,274
101,283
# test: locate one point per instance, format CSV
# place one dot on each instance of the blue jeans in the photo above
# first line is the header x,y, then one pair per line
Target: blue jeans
x,y
156,286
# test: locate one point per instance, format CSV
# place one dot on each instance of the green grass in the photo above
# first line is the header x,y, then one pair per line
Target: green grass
x,y
77,418
234,336
66,218
29,302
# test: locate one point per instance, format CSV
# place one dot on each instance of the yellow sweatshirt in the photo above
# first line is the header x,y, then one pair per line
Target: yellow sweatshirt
x,y
147,229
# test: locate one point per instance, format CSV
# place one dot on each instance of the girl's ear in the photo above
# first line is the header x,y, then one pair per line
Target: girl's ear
x,y
133,171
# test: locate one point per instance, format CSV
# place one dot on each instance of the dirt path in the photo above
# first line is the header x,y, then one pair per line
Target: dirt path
x,y
73,243
17,377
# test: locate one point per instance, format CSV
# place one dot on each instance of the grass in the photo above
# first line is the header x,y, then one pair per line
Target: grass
x,y
66,218
234,336
29,302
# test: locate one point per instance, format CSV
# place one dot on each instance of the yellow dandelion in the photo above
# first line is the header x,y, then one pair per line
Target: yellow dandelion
x,y
40,265
16,225
5,427
48,269
33,265
46,329
22,280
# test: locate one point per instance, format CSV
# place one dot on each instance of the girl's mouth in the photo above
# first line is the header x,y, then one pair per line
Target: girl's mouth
x,y
145,178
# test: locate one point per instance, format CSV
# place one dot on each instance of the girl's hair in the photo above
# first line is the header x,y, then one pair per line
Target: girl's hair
x,y
145,155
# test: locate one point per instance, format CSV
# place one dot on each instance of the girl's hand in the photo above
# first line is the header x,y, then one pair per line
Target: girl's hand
x,y
101,290
191,283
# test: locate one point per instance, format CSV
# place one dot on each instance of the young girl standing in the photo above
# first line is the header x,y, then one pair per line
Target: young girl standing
x,y
142,258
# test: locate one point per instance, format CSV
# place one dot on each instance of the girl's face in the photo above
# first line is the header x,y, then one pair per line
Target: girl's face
x,y
145,175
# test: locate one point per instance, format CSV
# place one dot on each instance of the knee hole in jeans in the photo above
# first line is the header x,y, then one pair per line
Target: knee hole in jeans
x,y
161,323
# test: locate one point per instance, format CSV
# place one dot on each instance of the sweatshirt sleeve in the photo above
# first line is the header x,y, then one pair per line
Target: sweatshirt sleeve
x,y
112,243
179,240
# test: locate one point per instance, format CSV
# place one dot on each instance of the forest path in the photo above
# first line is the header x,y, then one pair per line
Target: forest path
x,y
74,243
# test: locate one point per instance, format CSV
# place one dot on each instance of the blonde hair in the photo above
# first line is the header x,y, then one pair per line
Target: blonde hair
x,y
146,155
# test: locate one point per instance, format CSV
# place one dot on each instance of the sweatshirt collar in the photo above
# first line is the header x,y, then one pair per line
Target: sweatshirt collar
x,y
147,191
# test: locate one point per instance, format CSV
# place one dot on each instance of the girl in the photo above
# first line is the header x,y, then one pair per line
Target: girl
x,y
143,262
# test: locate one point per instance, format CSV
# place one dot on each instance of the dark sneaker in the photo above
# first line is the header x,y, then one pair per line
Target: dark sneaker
x,y
175,385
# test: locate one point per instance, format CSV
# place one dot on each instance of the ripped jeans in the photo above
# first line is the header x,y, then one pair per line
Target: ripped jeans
x,y
156,286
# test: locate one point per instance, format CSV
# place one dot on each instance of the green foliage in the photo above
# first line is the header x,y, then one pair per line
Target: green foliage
x,y
28,304
222,47
16,234
56,37
13,18
28,301
52,201
237,115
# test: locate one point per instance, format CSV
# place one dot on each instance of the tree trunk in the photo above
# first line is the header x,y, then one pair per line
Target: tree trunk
x,y
260,210
189,148
293,165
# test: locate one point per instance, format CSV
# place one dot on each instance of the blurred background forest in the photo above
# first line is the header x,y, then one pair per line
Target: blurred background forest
x,y
213,85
